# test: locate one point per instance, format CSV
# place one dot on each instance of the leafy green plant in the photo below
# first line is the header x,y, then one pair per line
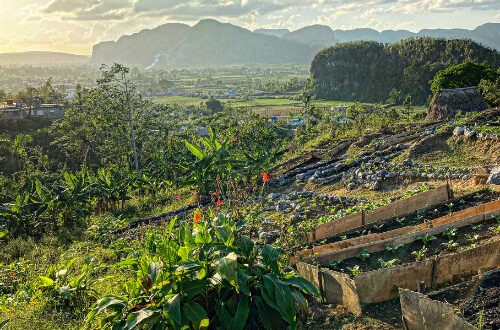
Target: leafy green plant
x,y
355,270
363,254
420,254
388,264
477,227
426,238
450,245
450,233
471,238
335,263
393,248
496,229
207,274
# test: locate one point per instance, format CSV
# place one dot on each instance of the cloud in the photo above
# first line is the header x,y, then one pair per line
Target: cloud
x,y
81,10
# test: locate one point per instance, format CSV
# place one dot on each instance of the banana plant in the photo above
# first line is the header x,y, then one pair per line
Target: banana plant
x,y
212,161
71,197
21,216
109,189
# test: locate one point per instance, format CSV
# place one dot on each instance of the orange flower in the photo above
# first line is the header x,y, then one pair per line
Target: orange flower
x,y
12,273
197,217
219,203
178,196
215,193
265,177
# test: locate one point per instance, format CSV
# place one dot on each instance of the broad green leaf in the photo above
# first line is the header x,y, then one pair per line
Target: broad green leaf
x,y
193,312
270,254
242,282
245,244
300,301
4,323
241,316
199,153
193,288
173,308
302,284
270,317
203,237
228,267
137,318
114,302
283,296
46,281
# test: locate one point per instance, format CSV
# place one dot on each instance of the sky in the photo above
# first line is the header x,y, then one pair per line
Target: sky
x,y
74,26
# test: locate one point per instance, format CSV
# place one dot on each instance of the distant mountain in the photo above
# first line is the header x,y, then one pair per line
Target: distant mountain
x,y
207,43
487,34
142,48
213,43
42,58
273,32
317,35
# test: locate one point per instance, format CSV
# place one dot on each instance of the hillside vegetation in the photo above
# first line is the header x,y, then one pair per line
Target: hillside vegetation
x,y
368,71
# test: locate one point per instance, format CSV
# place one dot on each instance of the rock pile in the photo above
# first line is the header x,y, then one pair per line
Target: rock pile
x,y
469,134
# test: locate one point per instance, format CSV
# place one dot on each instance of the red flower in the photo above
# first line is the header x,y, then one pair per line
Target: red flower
x,y
197,217
215,193
12,273
219,203
265,177
178,196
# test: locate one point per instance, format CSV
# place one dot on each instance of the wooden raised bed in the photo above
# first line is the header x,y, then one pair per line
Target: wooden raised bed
x,y
386,212
351,247
381,284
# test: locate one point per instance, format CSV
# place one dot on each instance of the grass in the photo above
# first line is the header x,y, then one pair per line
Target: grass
x,y
181,100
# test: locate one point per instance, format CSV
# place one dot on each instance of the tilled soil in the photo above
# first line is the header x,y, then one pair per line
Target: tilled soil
x,y
484,306
434,248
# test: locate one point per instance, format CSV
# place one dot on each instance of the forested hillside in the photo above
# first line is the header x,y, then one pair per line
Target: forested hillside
x,y
368,71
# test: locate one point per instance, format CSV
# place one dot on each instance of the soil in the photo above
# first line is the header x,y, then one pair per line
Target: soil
x,y
385,316
434,248
484,306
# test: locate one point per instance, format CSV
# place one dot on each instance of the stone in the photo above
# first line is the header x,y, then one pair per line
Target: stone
x,y
494,177
458,131
470,134
376,186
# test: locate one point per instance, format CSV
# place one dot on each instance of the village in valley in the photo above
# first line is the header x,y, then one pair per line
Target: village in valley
x,y
220,174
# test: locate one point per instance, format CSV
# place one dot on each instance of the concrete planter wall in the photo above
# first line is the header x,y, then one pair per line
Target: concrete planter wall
x,y
422,313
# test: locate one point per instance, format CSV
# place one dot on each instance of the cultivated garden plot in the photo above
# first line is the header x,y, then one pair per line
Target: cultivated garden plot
x,y
393,225
474,304
453,247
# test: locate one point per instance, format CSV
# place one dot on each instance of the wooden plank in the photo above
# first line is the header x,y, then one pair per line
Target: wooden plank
x,y
338,226
396,209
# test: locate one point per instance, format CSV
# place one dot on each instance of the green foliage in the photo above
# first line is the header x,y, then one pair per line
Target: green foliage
x,y
205,275
363,254
491,90
367,71
465,74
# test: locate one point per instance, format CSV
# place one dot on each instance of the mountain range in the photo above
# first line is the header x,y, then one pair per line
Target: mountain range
x,y
40,58
210,42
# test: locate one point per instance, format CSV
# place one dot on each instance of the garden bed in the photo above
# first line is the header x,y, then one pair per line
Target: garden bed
x,y
369,284
362,219
396,226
